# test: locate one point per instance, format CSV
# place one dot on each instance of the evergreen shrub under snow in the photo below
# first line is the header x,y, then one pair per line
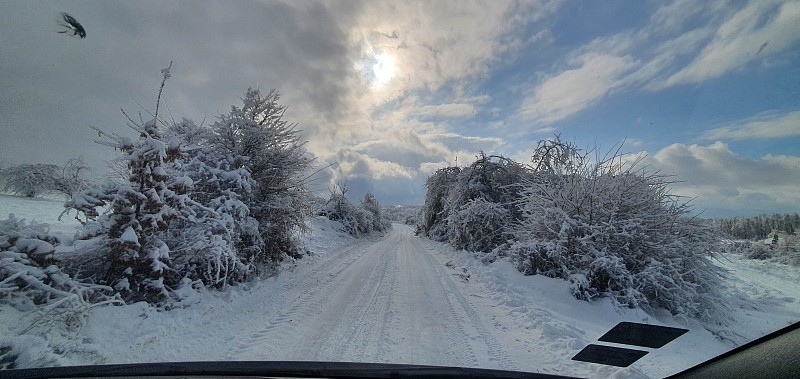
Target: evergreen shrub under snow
x,y
197,206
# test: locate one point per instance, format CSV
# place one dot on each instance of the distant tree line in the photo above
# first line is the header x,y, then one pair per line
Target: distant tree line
x,y
606,225
758,227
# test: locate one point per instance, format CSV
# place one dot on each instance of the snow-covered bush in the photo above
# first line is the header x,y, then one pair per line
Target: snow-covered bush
x,y
339,208
357,220
31,279
405,214
26,351
786,251
613,229
472,208
478,226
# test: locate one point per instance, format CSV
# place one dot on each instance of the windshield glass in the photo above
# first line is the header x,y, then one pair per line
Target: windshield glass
x,y
489,184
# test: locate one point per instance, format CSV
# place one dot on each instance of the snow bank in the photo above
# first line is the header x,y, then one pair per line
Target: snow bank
x,y
540,315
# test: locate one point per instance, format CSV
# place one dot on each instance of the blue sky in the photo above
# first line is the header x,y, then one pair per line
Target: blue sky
x,y
391,91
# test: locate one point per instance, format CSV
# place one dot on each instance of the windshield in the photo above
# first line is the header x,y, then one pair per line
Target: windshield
x,y
489,184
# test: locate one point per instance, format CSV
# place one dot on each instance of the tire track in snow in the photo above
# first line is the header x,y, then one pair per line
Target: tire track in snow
x,y
482,339
365,319
309,293
429,328
389,301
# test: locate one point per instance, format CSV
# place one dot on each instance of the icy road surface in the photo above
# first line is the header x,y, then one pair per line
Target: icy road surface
x,y
388,302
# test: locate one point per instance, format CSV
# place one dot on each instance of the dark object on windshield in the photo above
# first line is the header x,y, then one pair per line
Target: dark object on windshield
x,y
628,333
609,355
652,336
72,25
760,49
771,356
250,369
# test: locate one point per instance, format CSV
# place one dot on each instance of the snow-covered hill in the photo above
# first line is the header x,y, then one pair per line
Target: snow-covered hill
x,y
400,299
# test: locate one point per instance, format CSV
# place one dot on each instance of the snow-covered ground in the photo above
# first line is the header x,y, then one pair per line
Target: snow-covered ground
x,y
403,299
40,211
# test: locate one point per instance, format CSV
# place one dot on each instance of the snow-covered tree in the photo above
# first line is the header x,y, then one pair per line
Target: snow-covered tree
x,y
339,208
758,227
213,245
71,177
133,231
277,161
29,180
371,205
433,215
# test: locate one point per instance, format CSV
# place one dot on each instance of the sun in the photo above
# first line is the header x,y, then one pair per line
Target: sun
x,y
383,69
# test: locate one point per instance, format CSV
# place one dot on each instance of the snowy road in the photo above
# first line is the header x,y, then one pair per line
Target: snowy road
x,y
391,301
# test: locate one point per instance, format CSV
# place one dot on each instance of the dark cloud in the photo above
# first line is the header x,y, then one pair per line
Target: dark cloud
x,y
55,86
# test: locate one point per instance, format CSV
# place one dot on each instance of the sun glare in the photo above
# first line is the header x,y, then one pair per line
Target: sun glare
x,y
383,68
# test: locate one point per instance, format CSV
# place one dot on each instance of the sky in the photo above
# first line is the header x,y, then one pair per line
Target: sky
x,y
390,91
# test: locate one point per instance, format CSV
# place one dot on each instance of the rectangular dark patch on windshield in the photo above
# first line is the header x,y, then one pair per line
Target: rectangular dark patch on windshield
x,y
607,355
652,336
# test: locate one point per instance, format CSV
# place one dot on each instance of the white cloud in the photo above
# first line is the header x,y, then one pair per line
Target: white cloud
x,y
670,50
355,164
427,54
562,95
757,30
724,182
767,125
453,110
671,17
431,167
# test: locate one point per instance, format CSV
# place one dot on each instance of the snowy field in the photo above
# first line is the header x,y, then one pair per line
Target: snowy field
x,y
40,211
399,299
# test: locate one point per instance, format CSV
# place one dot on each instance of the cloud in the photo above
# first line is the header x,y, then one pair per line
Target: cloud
x,y
453,110
560,96
406,147
431,167
685,42
357,165
759,29
766,125
724,182
428,55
